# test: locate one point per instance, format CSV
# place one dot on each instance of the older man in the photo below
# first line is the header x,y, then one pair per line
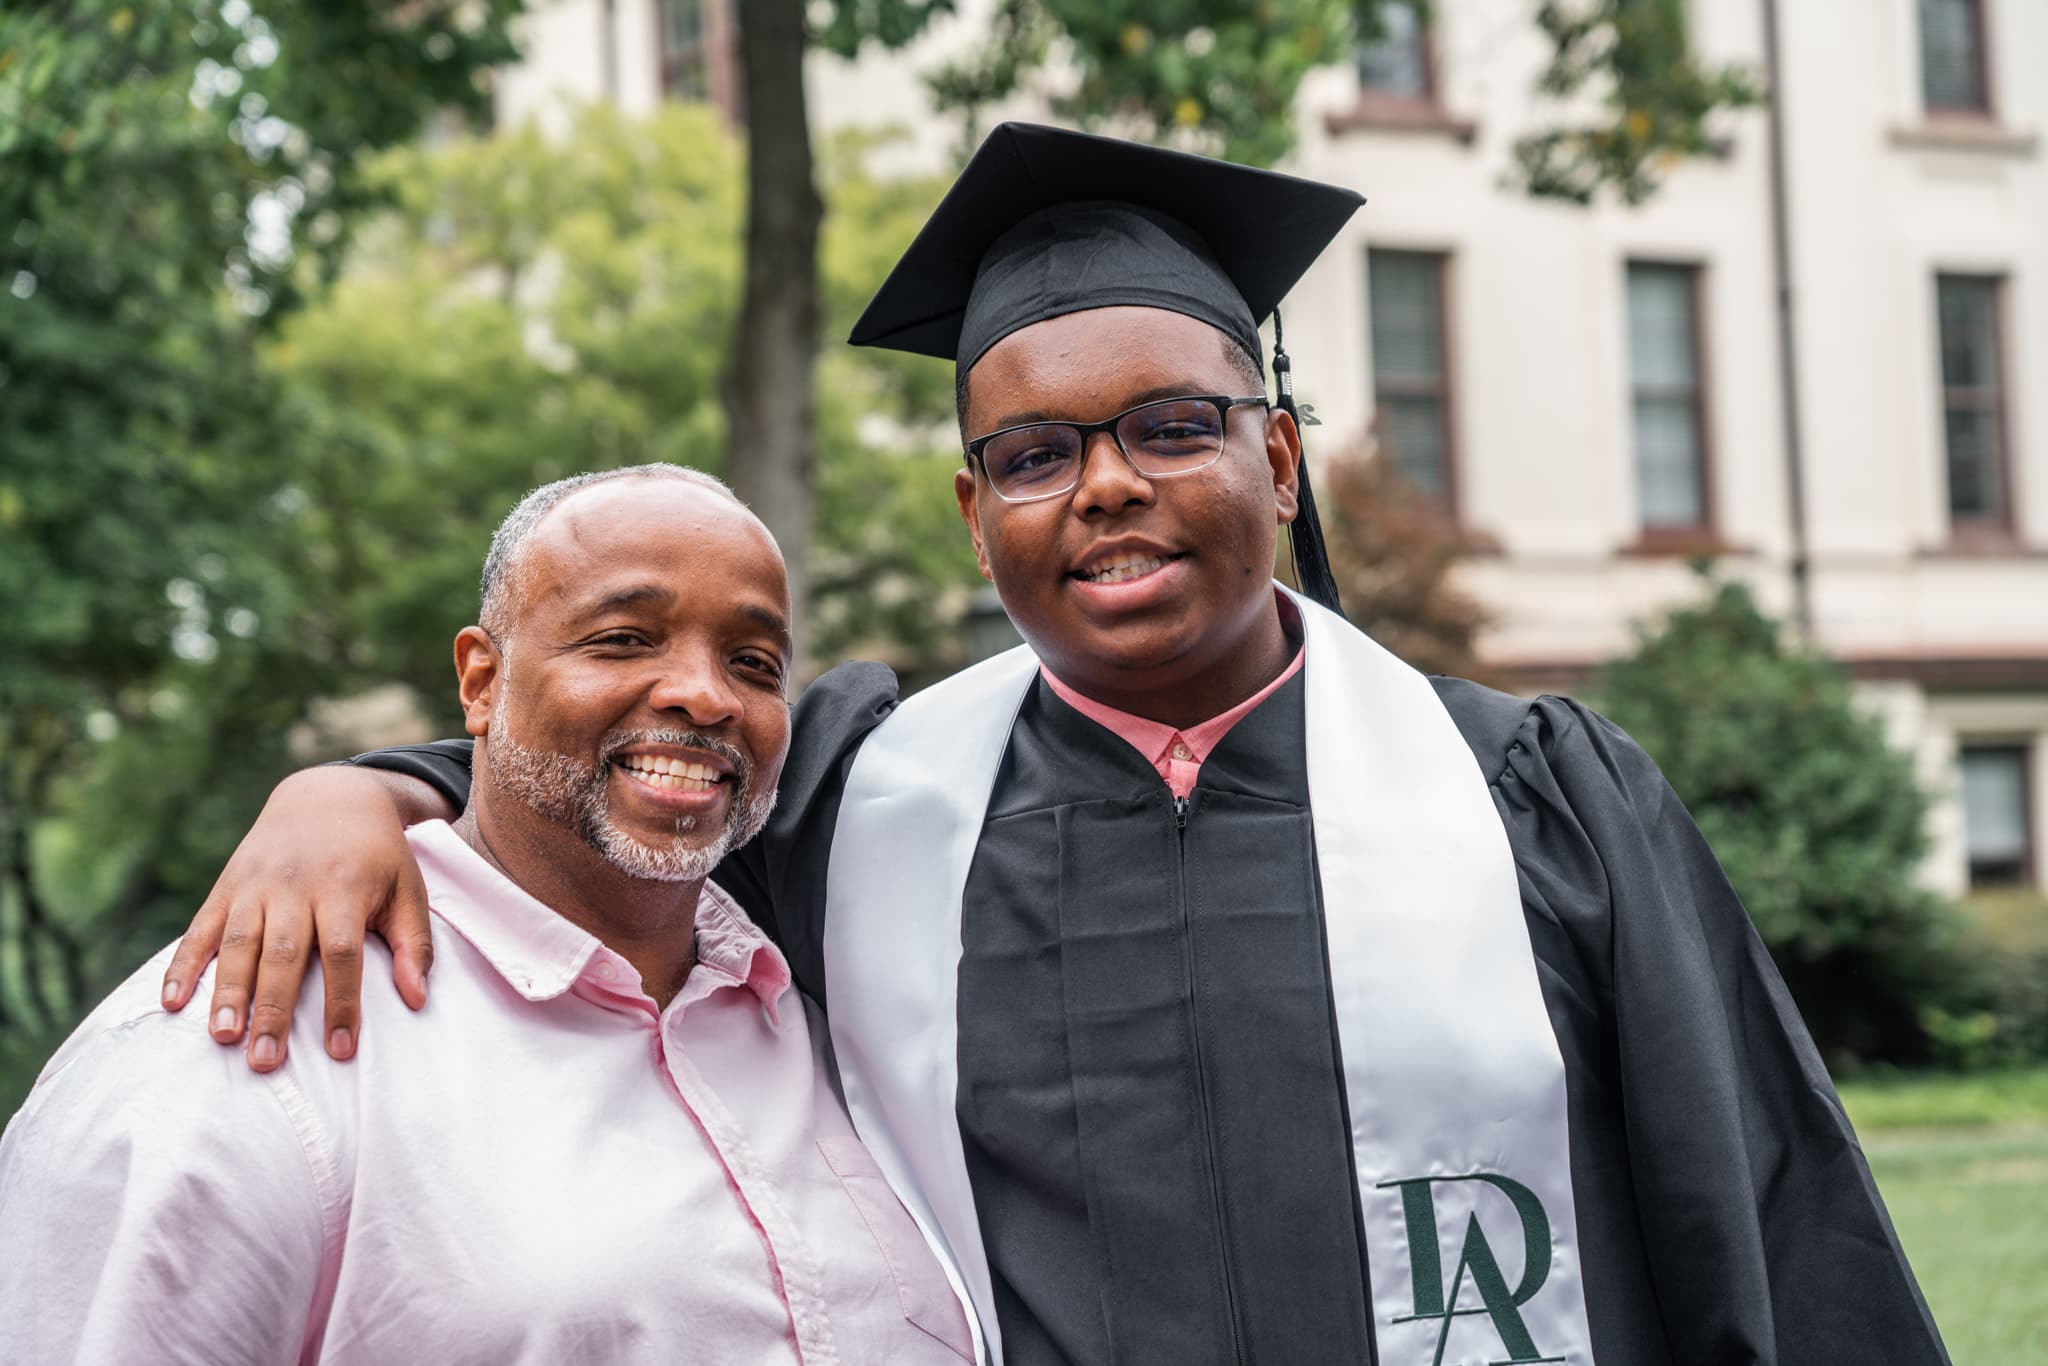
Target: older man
x,y
1213,987
608,1138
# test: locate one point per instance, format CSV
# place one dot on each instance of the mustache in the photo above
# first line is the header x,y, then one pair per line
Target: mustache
x,y
742,771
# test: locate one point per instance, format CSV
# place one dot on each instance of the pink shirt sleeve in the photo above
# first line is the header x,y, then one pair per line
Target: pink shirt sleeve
x,y
151,1211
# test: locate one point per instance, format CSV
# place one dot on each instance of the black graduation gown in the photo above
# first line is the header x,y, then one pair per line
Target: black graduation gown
x,y
1150,1099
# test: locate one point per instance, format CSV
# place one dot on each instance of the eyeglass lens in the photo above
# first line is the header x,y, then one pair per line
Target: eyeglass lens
x,y
1173,436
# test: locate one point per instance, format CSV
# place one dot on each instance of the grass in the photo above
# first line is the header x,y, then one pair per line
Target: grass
x,y
1963,1165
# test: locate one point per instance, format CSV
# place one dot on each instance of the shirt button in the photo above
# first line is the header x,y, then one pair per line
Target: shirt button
x,y
604,970
1182,752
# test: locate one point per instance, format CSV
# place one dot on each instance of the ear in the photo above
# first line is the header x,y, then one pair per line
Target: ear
x,y
967,489
479,669
1283,455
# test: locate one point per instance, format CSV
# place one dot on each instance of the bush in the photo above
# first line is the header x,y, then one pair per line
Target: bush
x,y
1996,1011
1392,550
1819,823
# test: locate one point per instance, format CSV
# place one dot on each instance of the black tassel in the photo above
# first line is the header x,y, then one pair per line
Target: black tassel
x,y
1305,536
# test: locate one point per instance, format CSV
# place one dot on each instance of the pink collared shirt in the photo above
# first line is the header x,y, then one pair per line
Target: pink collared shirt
x,y
1177,754
539,1167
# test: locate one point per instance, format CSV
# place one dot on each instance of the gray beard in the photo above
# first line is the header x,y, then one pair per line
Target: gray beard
x,y
574,793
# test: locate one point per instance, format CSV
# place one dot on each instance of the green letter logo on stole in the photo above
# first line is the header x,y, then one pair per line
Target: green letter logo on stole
x,y
1477,1261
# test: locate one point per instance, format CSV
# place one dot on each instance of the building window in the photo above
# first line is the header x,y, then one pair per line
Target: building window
x,y
699,58
1411,379
685,53
1973,402
1997,829
1952,51
1396,64
1666,397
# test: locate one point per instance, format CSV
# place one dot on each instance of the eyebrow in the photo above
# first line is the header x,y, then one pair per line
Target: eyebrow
x,y
628,597
773,621
1182,390
646,593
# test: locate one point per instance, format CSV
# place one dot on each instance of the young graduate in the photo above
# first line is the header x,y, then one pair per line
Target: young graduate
x,y
1211,986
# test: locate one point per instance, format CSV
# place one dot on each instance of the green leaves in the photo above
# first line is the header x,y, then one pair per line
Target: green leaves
x,y
1817,820
537,306
1655,99
172,177
1220,76
1216,76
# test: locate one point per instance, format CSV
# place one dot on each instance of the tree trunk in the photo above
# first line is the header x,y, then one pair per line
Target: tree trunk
x,y
48,948
768,387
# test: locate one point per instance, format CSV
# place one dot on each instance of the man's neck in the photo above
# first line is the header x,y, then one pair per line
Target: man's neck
x,y
1169,696
650,924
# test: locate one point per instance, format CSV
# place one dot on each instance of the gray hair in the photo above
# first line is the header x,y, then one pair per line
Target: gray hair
x,y
509,541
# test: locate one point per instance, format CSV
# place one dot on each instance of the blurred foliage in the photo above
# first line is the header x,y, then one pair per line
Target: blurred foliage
x,y
172,177
542,305
1819,823
1654,99
1221,76
1392,549
1995,1012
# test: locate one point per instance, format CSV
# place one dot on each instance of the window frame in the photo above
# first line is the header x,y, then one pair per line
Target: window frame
x,y
1444,390
1703,534
1980,66
2030,853
2003,528
716,54
1425,56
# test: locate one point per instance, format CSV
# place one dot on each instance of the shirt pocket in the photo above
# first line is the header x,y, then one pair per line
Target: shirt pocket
x,y
921,1285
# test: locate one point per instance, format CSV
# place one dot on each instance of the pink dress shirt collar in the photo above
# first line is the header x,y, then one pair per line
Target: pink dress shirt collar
x,y
1177,755
541,955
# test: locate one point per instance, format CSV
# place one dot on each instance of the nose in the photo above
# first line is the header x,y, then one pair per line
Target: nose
x,y
694,685
1110,484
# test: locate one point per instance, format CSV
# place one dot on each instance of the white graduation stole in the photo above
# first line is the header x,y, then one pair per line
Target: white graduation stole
x,y
1456,1087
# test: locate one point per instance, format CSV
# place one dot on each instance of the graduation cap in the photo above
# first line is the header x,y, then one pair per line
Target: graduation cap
x,y
1044,222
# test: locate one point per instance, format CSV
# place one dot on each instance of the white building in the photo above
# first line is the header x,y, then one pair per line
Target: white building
x,y
1598,394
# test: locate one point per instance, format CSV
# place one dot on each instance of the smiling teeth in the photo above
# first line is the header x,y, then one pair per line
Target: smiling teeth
x,y
672,775
1124,567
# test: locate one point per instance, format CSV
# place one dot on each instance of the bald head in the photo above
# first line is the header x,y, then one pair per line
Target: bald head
x,y
503,575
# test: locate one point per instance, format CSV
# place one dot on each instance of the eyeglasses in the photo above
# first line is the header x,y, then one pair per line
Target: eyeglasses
x,y
1161,439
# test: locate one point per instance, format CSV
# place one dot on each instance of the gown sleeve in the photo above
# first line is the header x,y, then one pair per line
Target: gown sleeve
x,y
1763,1234
441,764
779,876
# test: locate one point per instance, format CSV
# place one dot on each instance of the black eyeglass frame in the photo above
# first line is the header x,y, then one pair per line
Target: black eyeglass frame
x,y
1224,403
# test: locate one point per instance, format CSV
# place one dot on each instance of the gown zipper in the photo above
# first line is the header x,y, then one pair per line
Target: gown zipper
x,y
1180,825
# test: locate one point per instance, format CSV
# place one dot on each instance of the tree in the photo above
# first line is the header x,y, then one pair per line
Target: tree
x,y
172,177
1220,75
1819,823
535,306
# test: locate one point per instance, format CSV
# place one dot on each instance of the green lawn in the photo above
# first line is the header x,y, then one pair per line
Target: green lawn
x,y
1963,1164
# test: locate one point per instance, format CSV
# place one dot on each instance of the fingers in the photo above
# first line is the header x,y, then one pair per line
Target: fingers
x,y
234,975
286,952
341,961
405,929
195,951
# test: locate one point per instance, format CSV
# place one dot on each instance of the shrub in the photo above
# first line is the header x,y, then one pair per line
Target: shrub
x,y
1392,551
1819,823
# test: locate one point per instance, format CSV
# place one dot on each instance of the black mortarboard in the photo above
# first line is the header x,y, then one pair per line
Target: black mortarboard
x,y
1044,222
